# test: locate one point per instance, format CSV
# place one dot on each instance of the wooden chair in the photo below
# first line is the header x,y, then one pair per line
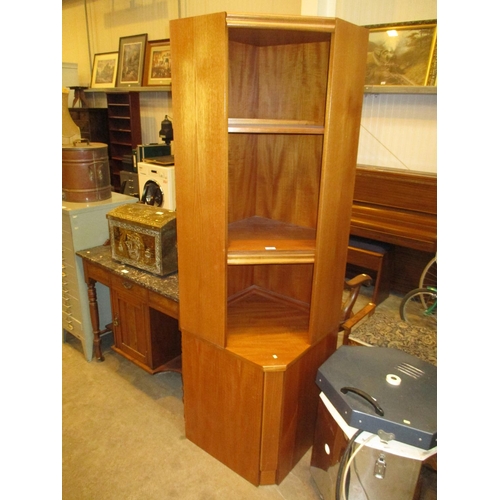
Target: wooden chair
x,y
348,319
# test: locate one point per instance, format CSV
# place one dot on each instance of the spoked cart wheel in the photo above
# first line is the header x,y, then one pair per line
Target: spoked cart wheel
x,y
429,275
419,308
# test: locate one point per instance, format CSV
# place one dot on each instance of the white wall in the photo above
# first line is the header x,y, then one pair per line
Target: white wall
x,y
397,131
198,7
108,20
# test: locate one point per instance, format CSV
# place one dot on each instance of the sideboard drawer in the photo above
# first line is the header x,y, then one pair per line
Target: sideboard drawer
x,y
122,286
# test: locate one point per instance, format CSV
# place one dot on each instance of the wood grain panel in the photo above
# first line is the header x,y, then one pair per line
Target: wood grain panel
x,y
293,81
396,206
243,81
239,278
132,332
395,188
223,398
199,61
242,176
293,280
163,304
327,432
288,178
301,395
345,99
271,426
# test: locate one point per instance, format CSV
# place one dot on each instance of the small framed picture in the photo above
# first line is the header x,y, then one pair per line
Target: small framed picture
x,y
402,54
104,70
131,60
157,68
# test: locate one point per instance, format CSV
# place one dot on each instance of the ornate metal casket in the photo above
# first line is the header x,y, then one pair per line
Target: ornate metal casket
x,y
145,237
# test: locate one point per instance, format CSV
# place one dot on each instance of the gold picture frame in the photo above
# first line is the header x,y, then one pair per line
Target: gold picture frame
x,y
104,70
131,60
402,54
157,67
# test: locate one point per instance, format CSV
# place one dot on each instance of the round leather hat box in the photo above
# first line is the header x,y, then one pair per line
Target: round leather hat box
x,y
85,172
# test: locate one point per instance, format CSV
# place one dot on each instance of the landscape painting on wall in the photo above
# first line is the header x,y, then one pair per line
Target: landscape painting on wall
x,y
402,54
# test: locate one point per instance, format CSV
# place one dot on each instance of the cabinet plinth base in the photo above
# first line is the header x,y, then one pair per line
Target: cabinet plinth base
x,y
259,423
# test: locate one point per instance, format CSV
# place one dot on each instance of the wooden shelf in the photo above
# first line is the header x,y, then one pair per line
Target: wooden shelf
x,y
267,329
124,125
244,125
258,240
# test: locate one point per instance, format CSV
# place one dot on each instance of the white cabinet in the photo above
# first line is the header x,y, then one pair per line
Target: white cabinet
x,y
84,225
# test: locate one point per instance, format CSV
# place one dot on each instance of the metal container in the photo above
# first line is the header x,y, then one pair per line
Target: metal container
x,y
145,237
85,172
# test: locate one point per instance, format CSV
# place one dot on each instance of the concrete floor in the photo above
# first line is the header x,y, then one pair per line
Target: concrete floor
x,y
123,438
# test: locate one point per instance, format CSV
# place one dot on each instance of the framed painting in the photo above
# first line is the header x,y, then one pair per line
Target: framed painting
x,y
104,70
157,68
131,60
402,54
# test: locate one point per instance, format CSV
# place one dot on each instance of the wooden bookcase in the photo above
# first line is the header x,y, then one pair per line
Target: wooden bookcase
x,y
124,123
268,112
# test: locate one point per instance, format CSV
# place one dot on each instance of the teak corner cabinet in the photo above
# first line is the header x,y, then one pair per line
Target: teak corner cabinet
x,y
267,113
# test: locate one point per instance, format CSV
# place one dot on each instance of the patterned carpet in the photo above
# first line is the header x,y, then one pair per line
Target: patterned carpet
x,y
384,330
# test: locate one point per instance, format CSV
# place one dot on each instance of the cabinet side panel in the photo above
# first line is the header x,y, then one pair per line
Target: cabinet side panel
x,y
343,116
199,87
301,395
222,405
271,425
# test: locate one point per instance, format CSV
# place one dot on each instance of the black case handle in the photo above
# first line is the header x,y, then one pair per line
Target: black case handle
x,y
366,396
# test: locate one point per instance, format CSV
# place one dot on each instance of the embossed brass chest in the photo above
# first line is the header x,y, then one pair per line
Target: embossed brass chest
x,y
145,237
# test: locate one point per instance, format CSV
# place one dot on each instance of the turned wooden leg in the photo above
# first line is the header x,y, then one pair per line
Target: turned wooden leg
x,y
94,318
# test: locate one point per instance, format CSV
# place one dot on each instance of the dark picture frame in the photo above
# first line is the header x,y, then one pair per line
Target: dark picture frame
x,y
157,66
131,60
402,54
104,70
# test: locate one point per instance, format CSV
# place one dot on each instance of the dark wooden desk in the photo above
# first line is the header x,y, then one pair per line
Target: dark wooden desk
x,y
145,311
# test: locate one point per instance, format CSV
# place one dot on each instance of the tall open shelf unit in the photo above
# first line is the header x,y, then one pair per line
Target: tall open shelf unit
x,y
124,123
267,120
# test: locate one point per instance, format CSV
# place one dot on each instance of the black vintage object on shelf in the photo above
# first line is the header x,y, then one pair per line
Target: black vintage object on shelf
x,y
167,130
124,124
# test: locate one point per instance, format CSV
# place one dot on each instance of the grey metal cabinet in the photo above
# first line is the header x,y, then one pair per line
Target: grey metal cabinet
x,y
84,225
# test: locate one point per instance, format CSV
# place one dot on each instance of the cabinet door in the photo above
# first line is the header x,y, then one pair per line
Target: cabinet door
x,y
201,178
131,320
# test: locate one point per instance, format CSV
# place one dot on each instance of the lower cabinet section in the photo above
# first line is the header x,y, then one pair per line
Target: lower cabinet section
x,y
257,420
145,336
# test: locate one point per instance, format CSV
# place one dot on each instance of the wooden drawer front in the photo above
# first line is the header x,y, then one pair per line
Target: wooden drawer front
x,y
124,286
97,273
164,305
